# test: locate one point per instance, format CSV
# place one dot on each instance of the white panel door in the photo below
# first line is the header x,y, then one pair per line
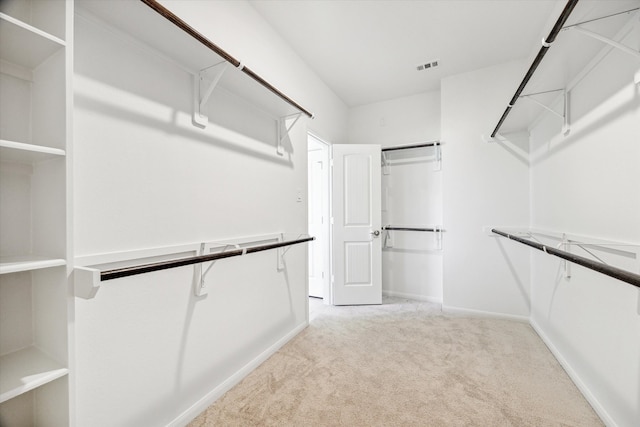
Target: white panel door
x,y
356,214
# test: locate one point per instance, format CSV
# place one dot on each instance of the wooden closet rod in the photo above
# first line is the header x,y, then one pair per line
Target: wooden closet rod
x,y
616,273
407,147
164,265
536,62
389,227
174,19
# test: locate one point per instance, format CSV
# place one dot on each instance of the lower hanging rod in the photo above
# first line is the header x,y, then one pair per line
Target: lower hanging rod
x,y
408,147
164,265
615,272
389,227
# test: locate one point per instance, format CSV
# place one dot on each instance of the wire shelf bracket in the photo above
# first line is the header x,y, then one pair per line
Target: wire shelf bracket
x,y
284,126
203,85
566,128
611,42
200,274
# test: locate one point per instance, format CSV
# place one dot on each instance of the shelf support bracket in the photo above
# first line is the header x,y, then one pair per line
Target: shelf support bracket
x,y
387,242
437,235
611,42
567,265
284,129
204,84
607,40
200,274
385,164
566,128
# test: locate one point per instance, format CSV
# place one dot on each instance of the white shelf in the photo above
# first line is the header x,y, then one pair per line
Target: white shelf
x,y
570,57
25,370
25,45
27,153
148,28
16,264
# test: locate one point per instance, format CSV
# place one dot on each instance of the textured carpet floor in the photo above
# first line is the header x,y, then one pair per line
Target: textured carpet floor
x,y
404,363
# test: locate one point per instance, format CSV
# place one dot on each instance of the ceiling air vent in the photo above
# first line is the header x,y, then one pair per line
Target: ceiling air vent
x,y
428,65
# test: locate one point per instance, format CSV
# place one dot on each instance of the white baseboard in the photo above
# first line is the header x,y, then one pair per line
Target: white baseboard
x,y
586,392
199,407
416,297
459,310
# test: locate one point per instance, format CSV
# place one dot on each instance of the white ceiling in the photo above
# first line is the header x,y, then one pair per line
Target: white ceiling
x,y
367,51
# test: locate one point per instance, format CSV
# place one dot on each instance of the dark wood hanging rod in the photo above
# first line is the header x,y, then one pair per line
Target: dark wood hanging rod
x,y
164,265
408,147
571,4
389,227
616,273
174,19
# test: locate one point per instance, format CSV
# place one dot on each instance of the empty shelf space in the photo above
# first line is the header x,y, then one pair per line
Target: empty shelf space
x,y
25,45
15,264
25,370
19,152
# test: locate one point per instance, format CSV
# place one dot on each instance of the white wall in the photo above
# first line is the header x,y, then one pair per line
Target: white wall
x,y
147,348
588,184
483,185
412,191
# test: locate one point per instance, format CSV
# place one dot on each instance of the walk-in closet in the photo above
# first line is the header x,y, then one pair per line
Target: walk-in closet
x,y
351,212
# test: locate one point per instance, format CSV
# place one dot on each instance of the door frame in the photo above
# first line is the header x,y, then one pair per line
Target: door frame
x,y
325,238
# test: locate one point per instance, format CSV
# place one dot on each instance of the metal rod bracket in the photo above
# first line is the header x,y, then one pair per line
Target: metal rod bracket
x,y
204,84
566,128
200,275
86,282
284,129
385,164
437,235
607,40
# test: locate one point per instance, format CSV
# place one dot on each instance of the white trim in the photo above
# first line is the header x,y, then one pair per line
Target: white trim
x,y
469,311
202,404
416,297
586,392
327,292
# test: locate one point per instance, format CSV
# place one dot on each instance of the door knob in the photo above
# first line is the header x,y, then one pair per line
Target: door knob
x,y
376,233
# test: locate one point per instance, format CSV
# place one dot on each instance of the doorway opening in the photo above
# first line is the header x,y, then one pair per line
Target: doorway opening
x,y
319,218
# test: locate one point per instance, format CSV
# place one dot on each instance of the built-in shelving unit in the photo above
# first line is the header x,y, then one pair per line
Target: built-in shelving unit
x,y
35,65
584,38
25,370
24,44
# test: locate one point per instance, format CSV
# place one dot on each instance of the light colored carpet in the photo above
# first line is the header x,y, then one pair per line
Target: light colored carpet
x,y
404,363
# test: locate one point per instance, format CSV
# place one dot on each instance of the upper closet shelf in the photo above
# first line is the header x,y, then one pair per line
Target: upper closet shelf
x,y
386,151
19,152
24,45
155,26
584,33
